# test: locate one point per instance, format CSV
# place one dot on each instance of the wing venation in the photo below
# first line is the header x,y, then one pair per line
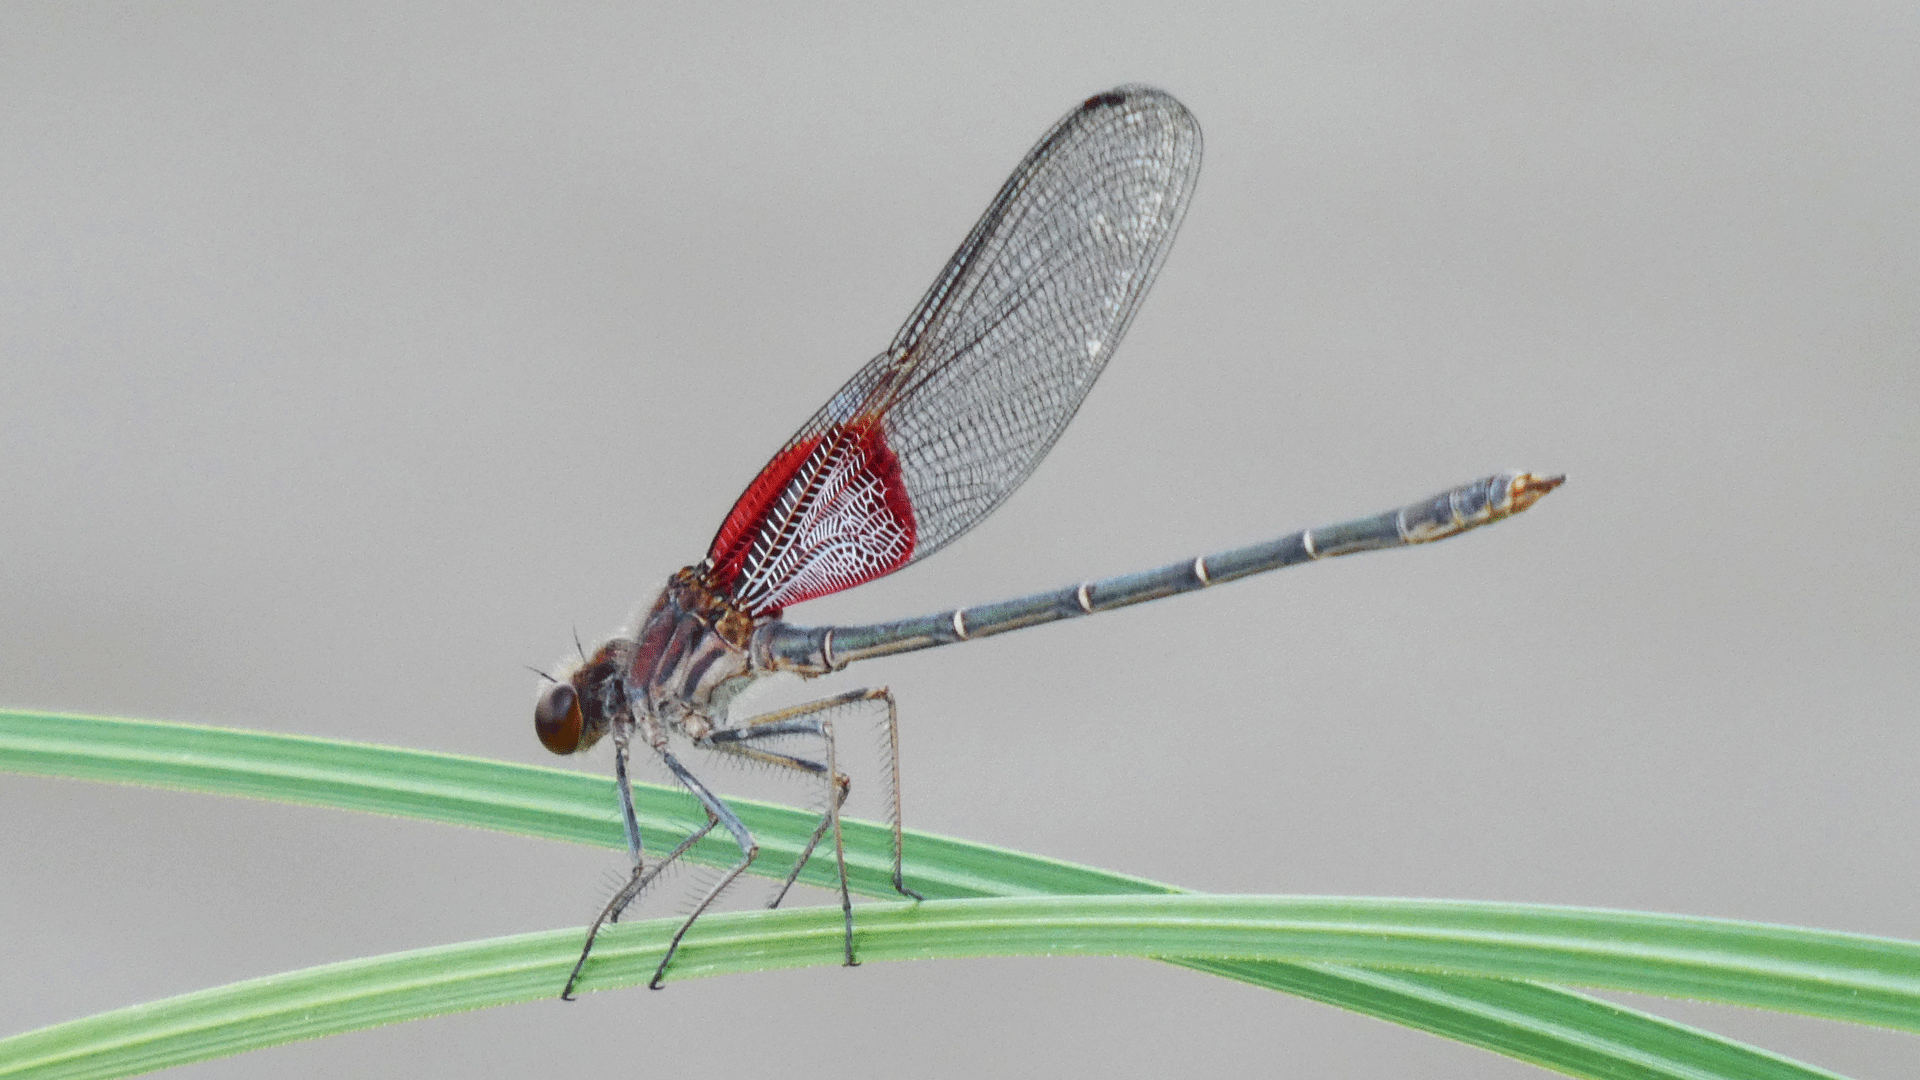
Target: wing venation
x,y
993,362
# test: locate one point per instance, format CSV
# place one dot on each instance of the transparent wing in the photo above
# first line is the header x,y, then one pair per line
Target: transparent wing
x,y
931,435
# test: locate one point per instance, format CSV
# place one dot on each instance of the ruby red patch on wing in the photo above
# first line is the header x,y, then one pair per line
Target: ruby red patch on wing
x,y
826,514
736,535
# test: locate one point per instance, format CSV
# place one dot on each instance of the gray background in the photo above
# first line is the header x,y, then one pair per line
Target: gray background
x,y
352,357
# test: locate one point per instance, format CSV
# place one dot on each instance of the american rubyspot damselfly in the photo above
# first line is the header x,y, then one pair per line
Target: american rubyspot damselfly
x,y
925,441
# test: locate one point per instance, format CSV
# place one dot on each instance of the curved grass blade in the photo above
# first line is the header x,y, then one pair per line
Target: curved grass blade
x,y
1549,1027
377,990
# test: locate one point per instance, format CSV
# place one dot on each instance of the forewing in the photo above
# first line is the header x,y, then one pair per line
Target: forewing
x,y
930,436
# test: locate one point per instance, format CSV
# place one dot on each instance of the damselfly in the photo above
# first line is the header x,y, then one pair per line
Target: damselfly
x,y
925,441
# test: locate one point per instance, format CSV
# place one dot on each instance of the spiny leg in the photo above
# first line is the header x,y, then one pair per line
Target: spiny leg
x,y
638,883
640,878
630,820
722,813
803,720
841,786
731,741
782,722
893,808
635,885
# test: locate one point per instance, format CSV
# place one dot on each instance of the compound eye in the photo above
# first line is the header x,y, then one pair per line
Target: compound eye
x,y
556,719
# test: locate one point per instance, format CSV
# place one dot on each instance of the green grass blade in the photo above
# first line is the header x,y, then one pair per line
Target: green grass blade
x,y
386,989
1554,1028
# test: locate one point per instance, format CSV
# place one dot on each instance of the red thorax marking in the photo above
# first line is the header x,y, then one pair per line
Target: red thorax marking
x,y
826,514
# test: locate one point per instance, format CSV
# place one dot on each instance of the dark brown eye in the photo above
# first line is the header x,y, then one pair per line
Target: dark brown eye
x,y
556,719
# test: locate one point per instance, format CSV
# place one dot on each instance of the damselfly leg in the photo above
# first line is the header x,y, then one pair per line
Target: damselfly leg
x,y
748,740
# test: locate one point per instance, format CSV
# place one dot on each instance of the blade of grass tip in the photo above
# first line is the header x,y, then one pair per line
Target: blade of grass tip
x,y
1546,1026
447,788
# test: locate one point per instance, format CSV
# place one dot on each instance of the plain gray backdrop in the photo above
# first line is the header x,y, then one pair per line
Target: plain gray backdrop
x,y
354,355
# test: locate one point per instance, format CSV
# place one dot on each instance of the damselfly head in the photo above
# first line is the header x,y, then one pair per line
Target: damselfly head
x,y
557,719
577,707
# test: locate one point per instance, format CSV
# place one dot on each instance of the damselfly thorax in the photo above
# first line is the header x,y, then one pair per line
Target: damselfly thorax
x,y
678,670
